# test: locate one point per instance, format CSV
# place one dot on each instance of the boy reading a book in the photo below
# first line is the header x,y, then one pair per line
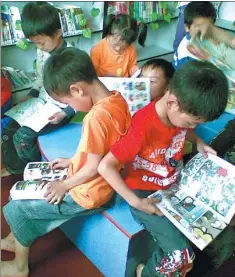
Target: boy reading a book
x,y
70,77
199,18
41,24
195,14
152,151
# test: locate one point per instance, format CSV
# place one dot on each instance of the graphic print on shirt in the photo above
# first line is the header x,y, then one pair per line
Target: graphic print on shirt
x,y
164,161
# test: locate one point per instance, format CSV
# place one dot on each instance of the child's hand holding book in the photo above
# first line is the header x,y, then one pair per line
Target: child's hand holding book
x,y
55,192
60,163
148,205
57,117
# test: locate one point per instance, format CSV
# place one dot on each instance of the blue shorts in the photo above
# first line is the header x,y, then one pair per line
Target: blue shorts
x,y
30,219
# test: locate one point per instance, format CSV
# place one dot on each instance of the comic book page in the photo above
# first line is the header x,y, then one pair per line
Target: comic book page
x,y
42,171
203,202
33,113
29,189
37,175
136,91
220,55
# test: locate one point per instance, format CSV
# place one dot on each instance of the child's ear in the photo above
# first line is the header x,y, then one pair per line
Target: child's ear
x,y
173,103
186,27
76,90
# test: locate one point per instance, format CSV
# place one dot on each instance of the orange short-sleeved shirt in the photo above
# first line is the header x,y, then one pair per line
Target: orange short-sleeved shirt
x,y
109,64
106,122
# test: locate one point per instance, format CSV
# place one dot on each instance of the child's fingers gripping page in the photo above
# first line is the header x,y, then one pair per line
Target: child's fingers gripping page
x,y
148,205
55,164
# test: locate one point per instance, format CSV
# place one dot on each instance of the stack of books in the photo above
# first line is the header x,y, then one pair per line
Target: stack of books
x,y
18,79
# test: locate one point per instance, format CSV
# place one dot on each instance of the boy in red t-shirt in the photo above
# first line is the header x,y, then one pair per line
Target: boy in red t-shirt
x,y
152,150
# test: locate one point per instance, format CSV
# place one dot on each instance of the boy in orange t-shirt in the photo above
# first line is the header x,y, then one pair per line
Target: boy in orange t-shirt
x,y
71,78
153,149
114,55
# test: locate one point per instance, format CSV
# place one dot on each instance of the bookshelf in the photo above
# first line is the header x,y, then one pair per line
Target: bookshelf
x,y
17,58
159,43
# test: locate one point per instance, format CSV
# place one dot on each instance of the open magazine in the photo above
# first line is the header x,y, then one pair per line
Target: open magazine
x,y
136,91
36,177
220,55
202,203
33,113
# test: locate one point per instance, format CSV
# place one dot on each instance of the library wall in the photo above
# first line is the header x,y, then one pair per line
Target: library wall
x,y
159,42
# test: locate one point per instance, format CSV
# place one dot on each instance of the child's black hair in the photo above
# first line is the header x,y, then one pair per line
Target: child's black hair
x,y
164,65
126,26
66,67
40,18
199,9
201,89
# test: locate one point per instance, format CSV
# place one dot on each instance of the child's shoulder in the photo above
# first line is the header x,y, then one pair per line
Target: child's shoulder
x,y
144,114
113,107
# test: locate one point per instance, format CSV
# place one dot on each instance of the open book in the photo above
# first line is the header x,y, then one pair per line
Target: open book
x,y
136,91
36,177
33,113
202,203
220,55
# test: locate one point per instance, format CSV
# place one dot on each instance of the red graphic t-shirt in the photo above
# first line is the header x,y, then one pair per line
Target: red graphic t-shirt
x,y
151,151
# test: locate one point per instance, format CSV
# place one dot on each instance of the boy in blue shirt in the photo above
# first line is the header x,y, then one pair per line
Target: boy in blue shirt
x,y
196,14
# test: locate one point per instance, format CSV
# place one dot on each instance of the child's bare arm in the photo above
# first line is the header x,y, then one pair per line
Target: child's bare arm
x,y
108,169
216,33
89,170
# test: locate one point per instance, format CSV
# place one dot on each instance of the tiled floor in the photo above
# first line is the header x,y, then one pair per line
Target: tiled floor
x,y
55,256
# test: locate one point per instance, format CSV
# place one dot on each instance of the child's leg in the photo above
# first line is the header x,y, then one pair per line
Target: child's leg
x,y
19,266
25,141
174,256
9,153
30,219
8,243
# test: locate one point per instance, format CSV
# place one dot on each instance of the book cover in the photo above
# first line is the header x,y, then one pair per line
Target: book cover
x,y
202,203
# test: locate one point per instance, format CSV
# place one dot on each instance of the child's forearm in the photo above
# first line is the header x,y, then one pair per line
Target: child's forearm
x,y
222,36
113,177
82,176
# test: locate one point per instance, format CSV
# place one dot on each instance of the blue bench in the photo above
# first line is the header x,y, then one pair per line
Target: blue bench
x,y
110,239
207,131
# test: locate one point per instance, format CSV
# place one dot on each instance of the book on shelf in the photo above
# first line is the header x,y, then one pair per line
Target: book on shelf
x,y
136,91
18,79
220,55
37,176
11,25
72,20
202,203
145,11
